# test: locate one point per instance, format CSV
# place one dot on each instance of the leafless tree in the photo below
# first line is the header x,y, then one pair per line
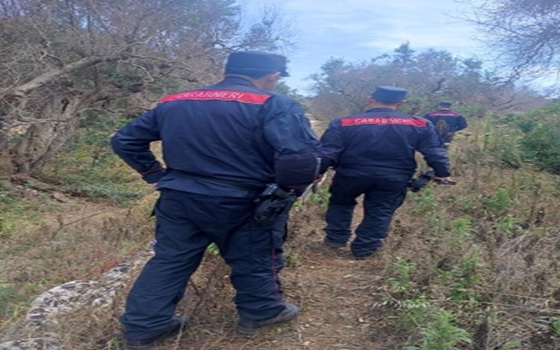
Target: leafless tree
x,y
524,34
65,59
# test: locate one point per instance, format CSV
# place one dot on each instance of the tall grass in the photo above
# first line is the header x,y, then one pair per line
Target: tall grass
x,y
485,252
470,266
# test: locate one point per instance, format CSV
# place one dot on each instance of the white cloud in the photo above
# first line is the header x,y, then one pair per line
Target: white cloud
x,y
363,29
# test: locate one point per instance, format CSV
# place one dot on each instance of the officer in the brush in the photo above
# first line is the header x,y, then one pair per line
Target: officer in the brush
x,y
222,144
373,154
446,122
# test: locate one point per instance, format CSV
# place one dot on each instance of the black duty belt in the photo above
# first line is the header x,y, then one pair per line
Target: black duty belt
x,y
381,168
240,184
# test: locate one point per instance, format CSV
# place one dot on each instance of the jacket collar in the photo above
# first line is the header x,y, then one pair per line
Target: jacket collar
x,y
381,109
237,81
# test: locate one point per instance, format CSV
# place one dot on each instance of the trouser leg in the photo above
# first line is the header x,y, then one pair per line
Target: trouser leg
x,y
178,250
339,222
254,253
340,212
379,207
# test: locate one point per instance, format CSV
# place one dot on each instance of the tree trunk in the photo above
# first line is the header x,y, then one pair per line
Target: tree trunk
x,y
7,113
42,140
5,164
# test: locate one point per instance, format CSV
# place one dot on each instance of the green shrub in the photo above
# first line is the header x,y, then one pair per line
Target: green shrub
x,y
88,167
532,137
424,202
541,146
440,333
502,140
500,201
8,293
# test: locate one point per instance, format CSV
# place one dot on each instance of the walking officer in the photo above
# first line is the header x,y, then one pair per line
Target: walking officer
x,y
222,144
373,154
446,122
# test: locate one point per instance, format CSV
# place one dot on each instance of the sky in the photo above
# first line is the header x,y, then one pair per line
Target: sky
x,y
358,30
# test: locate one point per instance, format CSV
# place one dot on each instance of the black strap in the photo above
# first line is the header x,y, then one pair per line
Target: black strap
x,y
240,184
380,168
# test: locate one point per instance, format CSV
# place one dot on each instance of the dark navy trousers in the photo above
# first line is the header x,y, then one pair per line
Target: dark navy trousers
x,y
383,195
186,224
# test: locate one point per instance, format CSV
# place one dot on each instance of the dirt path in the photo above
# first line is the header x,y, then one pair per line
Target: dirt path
x,y
335,292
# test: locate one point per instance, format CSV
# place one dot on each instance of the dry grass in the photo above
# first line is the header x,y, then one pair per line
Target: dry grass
x,y
486,249
72,240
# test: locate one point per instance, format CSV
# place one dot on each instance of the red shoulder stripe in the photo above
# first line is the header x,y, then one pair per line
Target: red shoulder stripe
x,y
218,95
383,121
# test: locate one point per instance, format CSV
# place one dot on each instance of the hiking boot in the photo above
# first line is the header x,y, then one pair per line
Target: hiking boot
x,y
330,244
361,257
248,327
177,323
360,252
364,256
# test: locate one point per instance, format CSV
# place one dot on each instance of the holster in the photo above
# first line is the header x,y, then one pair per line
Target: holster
x,y
273,203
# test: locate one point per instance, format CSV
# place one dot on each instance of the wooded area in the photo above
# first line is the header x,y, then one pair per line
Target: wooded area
x,y
67,61
64,61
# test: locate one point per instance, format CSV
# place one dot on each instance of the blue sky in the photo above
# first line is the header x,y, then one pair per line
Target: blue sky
x,y
358,30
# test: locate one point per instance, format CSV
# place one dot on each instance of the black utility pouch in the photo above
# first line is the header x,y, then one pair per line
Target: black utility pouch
x,y
416,184
273,203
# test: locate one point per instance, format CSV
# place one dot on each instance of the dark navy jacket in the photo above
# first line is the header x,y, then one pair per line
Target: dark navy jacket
x,y
216,137
446,123
381,140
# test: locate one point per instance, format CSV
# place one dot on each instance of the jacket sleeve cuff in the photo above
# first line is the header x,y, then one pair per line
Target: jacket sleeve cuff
x,y
154,176
441,173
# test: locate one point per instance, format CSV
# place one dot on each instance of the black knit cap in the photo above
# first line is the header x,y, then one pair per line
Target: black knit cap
x,y
389,94
256,64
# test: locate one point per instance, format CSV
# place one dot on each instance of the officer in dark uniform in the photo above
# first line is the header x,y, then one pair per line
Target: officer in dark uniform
x,y
446,121
373,153
221,145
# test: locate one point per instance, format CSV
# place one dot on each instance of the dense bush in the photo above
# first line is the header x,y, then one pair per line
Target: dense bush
x,y
532,137
88,167
541,146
